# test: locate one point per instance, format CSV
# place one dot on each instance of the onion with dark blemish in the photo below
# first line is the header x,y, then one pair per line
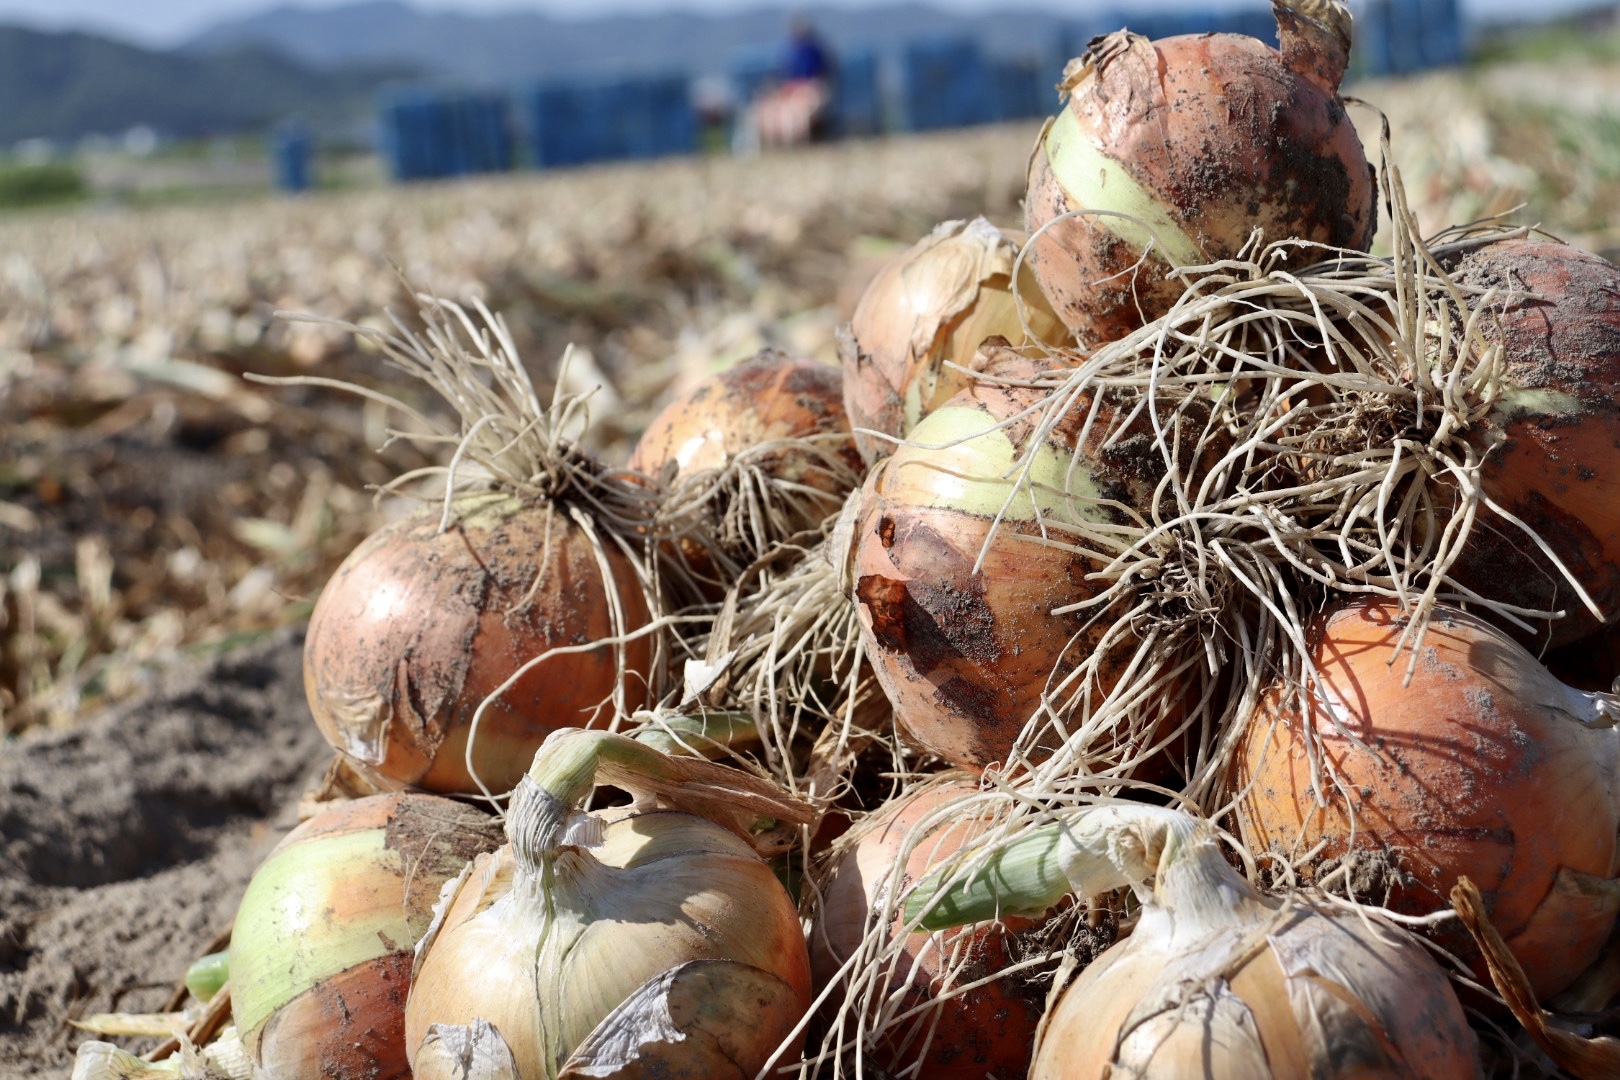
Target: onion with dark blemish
x,y
1482,765
1172,153
1550,445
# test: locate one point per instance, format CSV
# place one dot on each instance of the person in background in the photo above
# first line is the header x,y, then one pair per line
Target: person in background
x,y
795,110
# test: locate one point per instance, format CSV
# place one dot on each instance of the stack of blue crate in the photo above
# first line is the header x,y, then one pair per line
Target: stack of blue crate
x,y
290,149
1022,87
944,83
631,117
427,133
857,105
1400,37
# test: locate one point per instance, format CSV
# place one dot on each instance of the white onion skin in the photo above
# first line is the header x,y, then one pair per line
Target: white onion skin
x,y
1247,1017
1478,767
664,888
1206,137
1550,447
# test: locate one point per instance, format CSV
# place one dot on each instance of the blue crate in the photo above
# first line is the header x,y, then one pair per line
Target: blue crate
x,y
857,105
481,134
290,151
1441,39
1259,23
944,83
1022,90
1370,54
1406,36
429,134
633,117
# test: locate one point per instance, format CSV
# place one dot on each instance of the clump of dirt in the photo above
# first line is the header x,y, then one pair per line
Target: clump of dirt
x,y
126,843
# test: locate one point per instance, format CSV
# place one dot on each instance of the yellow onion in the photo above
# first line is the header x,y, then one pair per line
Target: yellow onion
x,y
968,652
928,309
1172,153
1548,447
643,937
321,949
933,1014
1216,979
1468,759
421,624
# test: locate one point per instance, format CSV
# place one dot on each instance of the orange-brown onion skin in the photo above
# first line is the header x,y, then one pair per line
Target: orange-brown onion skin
x,y
1478,767
1408,1024
931,306
1551,448
417,627
986,1031
771,395
351,1023
965,657
1221,134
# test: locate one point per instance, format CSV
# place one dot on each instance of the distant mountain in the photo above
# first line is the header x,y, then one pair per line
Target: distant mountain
x,y
68,85
508,47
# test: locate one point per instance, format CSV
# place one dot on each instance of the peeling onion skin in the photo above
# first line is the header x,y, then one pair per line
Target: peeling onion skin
x,y
986,1031
1206,138
966,657
1551,446
1479,767
930,307
344,897
417,627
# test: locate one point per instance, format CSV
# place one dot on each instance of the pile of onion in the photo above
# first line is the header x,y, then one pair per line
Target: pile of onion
x,y
1409,764
943,1004
649,937
977,540
922,319
1173,153
321,950
1215,980
1548,446
451,642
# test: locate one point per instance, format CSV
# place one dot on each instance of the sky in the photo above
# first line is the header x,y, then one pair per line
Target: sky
x,y
168,22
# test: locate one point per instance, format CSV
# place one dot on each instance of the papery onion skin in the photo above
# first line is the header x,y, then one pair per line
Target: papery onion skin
x,y
1479,767
417,627
769,396
965,657
1141,1009
930,307
986,1031
662,889
1551,444
1198,140
320,954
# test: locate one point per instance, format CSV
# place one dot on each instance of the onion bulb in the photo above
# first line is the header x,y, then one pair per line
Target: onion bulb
x,y
1548,446
1172,153
320,953
928,309
641,937
1216,980
1481,765
420,624
931,1009
969,653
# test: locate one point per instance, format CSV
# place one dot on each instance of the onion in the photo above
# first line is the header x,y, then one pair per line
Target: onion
x,y
926,310
943,1004
1172,153
1549,443
763,450
419,625
1215,980
968,654
320,953
1482,765
633,937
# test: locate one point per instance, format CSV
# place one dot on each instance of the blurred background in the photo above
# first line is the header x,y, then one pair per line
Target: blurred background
x,y
665,185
